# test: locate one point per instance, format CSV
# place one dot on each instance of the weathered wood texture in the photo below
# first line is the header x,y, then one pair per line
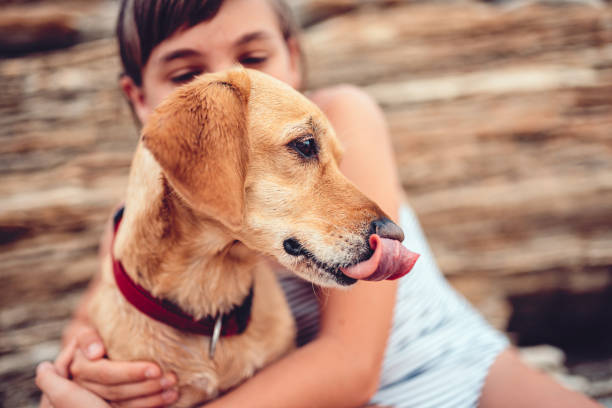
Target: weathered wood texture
x,y
501,118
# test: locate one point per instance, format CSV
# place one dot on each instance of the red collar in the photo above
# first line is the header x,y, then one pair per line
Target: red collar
x,y
234,322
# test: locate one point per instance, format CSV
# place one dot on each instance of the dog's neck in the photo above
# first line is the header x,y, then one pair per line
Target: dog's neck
x,y
177,254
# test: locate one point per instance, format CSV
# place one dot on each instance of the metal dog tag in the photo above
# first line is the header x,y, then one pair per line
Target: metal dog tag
x,y
215,336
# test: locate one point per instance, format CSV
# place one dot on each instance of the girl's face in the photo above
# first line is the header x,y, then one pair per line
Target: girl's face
x,y
243,31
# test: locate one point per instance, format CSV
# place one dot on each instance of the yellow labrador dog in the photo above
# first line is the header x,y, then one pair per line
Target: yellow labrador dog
x,y
231,166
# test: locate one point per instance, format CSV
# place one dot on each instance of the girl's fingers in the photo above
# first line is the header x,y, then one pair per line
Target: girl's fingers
x,y
109,372
63,393
165,398
65,358
90,343
124,392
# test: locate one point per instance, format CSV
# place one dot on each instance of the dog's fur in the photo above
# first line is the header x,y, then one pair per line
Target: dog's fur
x,y
215,182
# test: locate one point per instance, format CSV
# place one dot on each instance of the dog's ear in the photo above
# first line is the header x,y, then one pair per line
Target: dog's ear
x,y
199,138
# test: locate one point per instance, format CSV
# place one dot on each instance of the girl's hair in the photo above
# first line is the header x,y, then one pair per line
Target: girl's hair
x,y
143,24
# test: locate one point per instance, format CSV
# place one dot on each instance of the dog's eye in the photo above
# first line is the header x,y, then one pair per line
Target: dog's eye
x,y
306,147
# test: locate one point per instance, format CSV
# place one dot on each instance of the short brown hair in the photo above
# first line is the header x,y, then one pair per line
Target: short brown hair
x,y
144,24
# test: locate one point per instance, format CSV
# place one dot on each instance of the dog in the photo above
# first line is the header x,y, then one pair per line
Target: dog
x,y
232,166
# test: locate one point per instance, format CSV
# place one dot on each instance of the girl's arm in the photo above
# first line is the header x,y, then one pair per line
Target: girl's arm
x,y
341,368
338,369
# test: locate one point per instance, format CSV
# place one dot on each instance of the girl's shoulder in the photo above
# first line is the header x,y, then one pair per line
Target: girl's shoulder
x,y
345,100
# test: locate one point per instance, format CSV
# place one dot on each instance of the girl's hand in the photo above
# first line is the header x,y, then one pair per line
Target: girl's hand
x,y
125,384
58,391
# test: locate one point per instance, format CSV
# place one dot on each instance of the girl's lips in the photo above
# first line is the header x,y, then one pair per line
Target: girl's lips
x,y
390,260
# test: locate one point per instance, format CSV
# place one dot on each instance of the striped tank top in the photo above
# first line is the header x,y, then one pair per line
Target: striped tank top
x,y
439,350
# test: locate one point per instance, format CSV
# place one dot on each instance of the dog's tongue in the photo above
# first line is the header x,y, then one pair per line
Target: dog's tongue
x,y
391,260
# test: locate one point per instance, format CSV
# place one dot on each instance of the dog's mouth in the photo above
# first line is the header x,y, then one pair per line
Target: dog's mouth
x,y
384,259
390,261
334,271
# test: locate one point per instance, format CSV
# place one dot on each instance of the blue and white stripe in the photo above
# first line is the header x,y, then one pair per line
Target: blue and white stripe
x,y
440,349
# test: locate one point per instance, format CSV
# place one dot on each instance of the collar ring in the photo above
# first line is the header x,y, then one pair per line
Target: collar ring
x,y
215,336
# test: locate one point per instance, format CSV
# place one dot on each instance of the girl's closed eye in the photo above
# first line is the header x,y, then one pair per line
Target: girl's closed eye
x,y
182,77
253,59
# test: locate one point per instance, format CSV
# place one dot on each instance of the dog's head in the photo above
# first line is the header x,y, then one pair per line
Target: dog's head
x,y
250,152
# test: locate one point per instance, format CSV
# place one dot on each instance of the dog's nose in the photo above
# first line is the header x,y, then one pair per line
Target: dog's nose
x,y
293,247
385,228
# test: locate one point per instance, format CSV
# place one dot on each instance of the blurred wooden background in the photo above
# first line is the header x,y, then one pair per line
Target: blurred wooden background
x,y
501,116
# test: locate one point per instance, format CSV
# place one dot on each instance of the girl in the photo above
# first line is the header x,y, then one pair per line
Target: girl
x,y
414,343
